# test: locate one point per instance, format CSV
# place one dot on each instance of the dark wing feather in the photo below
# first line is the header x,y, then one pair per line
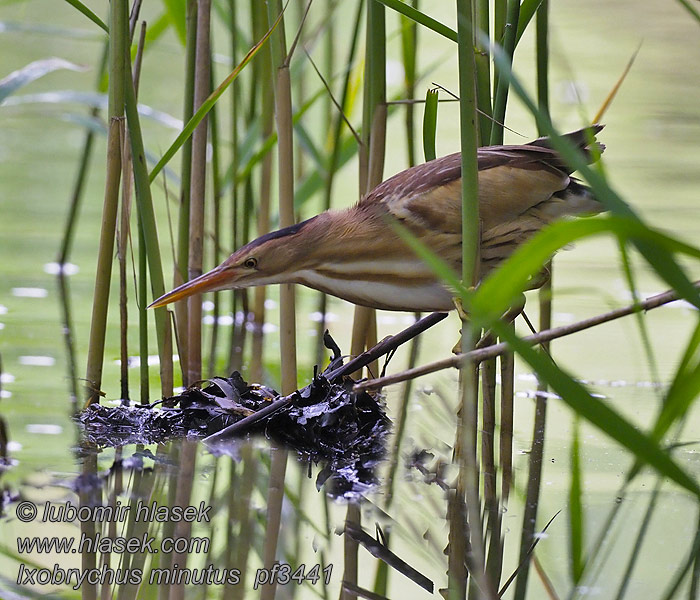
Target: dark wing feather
x,y
536,155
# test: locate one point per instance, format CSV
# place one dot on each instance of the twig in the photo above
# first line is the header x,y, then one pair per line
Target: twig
x,y
386,345
547,335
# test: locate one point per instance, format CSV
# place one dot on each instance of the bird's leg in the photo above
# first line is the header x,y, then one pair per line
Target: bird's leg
x,y
509,316
488,338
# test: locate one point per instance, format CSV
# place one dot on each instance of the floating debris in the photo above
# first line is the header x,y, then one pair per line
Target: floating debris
x,y
325,422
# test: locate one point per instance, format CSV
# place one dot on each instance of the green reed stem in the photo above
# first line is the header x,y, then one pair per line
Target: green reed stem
x,y
502,80
482,61
216,228
409,54
144,202
465,451
336,140
142,294
265,104
288,363
119,34
534,480
83,170
542,56
202,84
183,220
364,321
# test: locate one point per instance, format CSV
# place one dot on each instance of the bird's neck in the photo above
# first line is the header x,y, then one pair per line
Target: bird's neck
x,y
352,245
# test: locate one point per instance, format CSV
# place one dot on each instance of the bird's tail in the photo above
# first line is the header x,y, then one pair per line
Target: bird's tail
x,y
583,139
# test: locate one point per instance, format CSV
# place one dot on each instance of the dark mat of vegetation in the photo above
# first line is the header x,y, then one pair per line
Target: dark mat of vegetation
x,y
325,422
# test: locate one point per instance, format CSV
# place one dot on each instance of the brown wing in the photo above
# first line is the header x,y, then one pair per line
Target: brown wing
x,y
512,180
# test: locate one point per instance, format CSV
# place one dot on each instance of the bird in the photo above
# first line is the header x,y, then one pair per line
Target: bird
x,y
355,253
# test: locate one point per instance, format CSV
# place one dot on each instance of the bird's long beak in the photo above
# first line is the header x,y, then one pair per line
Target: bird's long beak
x,y
213,280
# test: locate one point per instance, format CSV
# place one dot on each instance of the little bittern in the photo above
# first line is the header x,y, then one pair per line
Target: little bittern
x,y
356,255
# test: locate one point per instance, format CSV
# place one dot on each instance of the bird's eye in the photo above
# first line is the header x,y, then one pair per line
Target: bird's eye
x,y
250,263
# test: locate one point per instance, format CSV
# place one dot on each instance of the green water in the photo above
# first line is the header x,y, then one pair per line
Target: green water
x,y
652,159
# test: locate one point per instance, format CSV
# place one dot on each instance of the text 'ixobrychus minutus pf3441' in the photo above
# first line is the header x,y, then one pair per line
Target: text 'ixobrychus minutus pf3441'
x,y
356,255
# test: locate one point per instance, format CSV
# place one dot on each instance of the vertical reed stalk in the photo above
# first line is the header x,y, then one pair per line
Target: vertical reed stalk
x,y
288,364
501,81
542,56
83,170
67,323
144,202
336,140
67,241
217,218
142,292
534,481
118,37
409,52
183,232
492,534
465,452
373,143
69,233
371,169
505,452
483,72
500,9
240,216
124,234
142,277
202,85
122,243
263,78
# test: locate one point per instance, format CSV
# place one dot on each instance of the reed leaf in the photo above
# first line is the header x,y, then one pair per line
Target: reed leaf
x,y
176,14
79,6
501,78
420,18
209,102
691,9
576,526
684,390
644,447
528,9
144,203
657,256
500,288
685,567
92,100
31,72
430,123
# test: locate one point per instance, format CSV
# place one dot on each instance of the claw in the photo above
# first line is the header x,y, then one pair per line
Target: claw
x,y
488,338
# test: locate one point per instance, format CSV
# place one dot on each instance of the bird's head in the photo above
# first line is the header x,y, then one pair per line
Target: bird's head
x,y
275,257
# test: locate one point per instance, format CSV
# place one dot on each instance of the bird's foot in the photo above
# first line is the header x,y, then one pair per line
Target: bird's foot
x,y
489,338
